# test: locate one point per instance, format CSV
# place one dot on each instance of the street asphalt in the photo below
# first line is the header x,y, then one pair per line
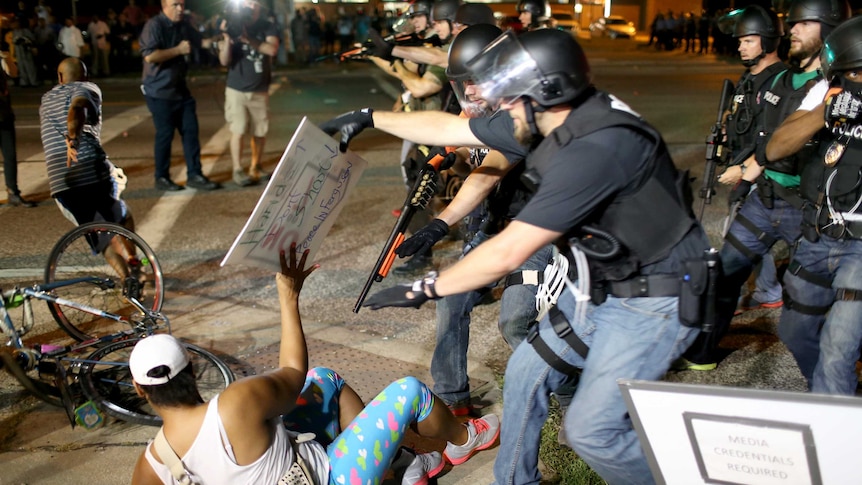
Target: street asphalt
x,y
208,307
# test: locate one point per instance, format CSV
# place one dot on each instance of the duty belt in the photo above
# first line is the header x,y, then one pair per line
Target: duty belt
x,y
644,286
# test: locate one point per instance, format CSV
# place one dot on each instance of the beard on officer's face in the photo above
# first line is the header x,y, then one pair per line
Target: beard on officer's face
x,y
522,130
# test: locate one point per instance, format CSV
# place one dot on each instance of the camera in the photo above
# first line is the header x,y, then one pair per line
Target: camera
x,y
236,14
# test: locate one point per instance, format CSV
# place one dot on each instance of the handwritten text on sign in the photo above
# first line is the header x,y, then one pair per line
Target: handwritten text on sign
x,y
301,202
748,453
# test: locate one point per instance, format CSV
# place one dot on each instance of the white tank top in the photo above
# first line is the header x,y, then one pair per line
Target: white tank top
x,y
211,460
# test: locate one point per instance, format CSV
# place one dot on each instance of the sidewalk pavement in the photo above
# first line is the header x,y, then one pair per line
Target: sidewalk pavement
x,y
39,446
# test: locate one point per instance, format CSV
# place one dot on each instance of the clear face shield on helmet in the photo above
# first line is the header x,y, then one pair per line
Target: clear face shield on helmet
x,y
505,71
470,99
402,25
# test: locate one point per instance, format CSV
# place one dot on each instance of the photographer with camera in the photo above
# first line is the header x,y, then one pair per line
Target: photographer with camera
x,y
250,41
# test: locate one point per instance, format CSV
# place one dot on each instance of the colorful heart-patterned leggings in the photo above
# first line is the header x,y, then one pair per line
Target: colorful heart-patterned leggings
x,y
362,453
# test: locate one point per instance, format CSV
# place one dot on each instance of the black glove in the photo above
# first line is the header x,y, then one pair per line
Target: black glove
x,y
397,297
842,107
739,192
379,47
349,124
423,239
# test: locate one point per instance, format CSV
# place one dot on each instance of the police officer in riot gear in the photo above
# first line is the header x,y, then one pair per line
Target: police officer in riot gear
x,y
534,14
599,164
773,211
492,195
758,32
822,320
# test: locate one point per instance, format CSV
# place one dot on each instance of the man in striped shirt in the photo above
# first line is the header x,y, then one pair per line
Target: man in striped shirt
x,y
79,173
85,184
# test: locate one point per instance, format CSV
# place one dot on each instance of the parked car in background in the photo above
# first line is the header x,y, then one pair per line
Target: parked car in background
x,y
614,26
564,21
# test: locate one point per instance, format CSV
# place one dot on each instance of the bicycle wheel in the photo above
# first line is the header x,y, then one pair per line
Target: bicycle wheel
x,y
121,260
39,388
107,381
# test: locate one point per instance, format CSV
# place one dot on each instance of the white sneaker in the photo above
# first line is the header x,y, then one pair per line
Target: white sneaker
x,y
423,467
483,432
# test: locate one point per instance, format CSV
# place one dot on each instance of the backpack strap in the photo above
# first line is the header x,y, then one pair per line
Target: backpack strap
x,y
169,457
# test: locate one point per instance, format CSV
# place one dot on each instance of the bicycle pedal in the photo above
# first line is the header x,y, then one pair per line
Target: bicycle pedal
x,y
88,416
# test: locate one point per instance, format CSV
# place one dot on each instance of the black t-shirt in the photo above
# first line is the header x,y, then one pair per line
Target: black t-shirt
x,y
582,177
578,178
251,71
166,80
496,132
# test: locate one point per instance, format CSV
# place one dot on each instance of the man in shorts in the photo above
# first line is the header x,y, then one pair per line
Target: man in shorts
x,y
247,50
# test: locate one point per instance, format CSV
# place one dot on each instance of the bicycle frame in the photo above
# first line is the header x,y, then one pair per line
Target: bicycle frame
x,y
41,292
57,358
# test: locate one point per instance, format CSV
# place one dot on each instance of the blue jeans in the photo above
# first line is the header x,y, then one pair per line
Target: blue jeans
x,y
767,288
826,347
634,338
781,222
517,312
179,115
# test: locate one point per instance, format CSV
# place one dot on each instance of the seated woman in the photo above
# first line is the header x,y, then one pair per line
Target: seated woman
x,y
238,437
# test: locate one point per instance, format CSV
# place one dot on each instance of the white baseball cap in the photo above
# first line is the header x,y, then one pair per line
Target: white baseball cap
x,y
155,351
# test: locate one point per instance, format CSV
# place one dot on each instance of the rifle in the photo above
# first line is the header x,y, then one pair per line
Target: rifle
x,y
361,51
714,149
417,199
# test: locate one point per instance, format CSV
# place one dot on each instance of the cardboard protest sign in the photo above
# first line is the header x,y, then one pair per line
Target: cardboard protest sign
x,y
303,198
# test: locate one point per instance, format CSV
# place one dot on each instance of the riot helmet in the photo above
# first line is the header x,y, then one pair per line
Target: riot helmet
x,y
445,10
540,11
420,7
474,14
842,50
756,20
829,12
545,65
467,45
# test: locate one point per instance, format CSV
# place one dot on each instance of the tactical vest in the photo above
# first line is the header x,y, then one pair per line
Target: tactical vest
x,y
779,102
741,123
650,219
844,190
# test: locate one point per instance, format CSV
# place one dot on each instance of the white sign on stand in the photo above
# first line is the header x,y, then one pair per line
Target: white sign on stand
x,y
303,198
696,434
737,450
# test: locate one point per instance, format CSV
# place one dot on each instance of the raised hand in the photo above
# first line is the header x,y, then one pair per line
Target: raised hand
x,y
293,273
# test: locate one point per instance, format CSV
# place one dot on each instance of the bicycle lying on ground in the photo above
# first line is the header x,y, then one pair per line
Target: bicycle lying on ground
x,y
107,304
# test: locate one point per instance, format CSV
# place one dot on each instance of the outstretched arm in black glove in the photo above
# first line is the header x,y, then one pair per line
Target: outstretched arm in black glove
x,y
379,47
405,296
349,124
423,239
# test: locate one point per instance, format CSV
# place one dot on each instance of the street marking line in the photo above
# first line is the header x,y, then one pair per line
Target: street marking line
x,y
32,177
164,214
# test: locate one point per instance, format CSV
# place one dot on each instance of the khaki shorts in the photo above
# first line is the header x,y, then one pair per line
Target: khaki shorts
x,y
241,108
